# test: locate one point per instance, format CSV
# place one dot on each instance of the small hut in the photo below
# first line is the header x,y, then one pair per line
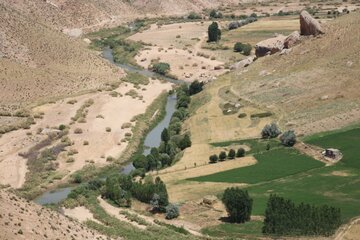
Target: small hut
x,y
332,153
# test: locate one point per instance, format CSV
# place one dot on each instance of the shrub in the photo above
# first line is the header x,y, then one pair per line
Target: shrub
x,y
77,178
194,15
288,138
246,49
172,211
85,143
270,131
195,87
62,127
108,129
240,152
238,204
222,156
78,131
214,33
231,154
161,68
213,158
238,47
215,14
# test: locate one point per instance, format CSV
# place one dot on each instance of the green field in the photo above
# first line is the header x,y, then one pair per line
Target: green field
x,y
274,164
348,142
235,231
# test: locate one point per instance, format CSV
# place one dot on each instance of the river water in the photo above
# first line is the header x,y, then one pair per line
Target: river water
x,y
153,138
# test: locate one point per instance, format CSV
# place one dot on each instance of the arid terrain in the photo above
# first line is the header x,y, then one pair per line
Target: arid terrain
x,y
70,119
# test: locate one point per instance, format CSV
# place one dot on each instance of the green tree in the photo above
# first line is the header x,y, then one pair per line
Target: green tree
x,y
214,33
238,204
165,135
270,131
139,161
185,142
213,158
238,47
222,156
240,152
231,154
288,138
172,211
195,87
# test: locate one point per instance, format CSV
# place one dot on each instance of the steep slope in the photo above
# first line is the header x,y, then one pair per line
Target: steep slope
x,y
40,63
93,14
316,86
21,219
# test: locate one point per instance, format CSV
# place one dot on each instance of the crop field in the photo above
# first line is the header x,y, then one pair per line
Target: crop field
x,y
348,142
271,165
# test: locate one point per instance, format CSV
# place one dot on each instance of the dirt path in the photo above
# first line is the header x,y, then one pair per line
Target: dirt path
x,y
348,231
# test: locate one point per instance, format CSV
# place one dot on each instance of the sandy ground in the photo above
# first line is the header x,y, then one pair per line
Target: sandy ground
x,y
179,45
115,110
81,214
21,219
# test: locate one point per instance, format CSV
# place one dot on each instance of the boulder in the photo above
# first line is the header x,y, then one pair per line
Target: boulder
x,y
292,39
309,25
209,200
243,63
270,46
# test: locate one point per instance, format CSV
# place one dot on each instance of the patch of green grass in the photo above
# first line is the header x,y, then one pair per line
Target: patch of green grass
x,y
271,165
318,186
136,78
229,230
348,142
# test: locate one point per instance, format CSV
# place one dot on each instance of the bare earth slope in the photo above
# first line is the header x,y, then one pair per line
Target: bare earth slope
x,y
93,14
315,87
37,62
20,219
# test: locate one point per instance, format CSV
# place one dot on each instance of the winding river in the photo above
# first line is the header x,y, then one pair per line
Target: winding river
x,y
152,139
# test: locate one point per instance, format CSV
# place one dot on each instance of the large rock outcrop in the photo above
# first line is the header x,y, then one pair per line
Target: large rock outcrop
x,y
309,25
270,46
292,39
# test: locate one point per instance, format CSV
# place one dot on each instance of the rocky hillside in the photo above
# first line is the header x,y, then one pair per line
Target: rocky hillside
x,y
21,219
67,15
314,87
39,63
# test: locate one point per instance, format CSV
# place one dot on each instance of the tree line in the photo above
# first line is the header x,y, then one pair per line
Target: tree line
x,y
282,216
230,155
172,139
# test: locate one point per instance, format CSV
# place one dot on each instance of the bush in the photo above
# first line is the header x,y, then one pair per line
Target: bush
x,y
288,138
238,204
213,158
222,156
238,47
240,152
161,68
194,15
246,49
270,131
77,178
231,154
195,87
78,131
214,33
172,211
215,14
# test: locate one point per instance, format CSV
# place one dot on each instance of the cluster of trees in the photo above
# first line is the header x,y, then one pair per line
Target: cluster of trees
x,y
121,188
272,130
223,156
240,23
244,48
283,217
161,68
214,33
172,141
